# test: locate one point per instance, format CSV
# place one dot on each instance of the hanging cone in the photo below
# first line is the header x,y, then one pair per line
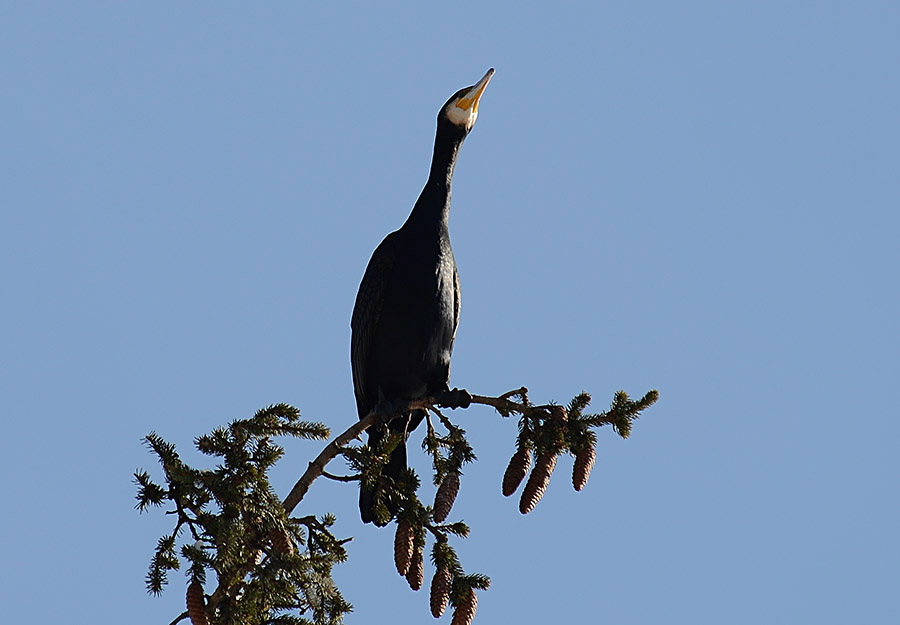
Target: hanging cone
x,y
440,591
403,546
445,496
465,611
281,542
416,573
537,482
581,470
559,413
196,605
516,470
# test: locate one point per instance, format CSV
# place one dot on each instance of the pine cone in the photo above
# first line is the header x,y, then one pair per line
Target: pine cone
x,y
416,573
516,470
440,591
445,496
403,546
281,542
559,413
537,482
196,605
260,554
465,610
584,462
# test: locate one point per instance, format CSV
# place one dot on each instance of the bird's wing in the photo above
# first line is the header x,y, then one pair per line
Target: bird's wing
x,y
366,311
456,304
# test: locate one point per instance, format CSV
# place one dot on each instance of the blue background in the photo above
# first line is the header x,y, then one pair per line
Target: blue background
x,y
698,197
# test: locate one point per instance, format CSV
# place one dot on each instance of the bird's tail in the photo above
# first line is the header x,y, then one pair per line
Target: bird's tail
x,y
395,467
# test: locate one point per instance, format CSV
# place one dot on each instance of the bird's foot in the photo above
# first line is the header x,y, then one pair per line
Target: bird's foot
x,y
457,398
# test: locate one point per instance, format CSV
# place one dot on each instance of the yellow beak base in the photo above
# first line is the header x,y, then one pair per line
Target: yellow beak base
x,y
470,100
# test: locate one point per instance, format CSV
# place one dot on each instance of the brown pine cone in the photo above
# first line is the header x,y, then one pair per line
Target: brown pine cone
x,y
465,611
260,554
281,541
196,605
537,482
445,496
416,573
516,470
584,462
440,591
559,413
403,546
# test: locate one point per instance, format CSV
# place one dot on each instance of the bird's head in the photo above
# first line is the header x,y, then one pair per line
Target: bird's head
x,y
461,110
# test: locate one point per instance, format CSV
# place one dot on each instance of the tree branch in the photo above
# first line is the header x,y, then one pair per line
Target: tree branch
x,y
340,478
317,466
502,404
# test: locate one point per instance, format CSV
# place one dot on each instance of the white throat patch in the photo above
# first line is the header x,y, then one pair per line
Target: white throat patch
x,y
461,117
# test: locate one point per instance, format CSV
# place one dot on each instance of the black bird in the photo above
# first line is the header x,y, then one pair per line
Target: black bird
x,y
407,307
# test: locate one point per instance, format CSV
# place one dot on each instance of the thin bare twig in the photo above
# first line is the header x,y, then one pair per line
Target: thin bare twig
x,y
340,478
180,618
521,392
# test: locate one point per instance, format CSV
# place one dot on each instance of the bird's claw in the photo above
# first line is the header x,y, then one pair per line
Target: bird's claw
x,y
457,398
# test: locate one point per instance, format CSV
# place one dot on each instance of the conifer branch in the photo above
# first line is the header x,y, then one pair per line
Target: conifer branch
x,y
623,409
335,447
269,563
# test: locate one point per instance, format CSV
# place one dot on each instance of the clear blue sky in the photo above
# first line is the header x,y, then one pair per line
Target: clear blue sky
x,y
698,197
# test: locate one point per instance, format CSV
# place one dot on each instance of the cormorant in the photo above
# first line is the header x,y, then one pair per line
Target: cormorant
x,y
407,307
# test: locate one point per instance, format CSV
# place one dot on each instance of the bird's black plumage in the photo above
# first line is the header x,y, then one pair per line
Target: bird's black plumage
x,y
407,308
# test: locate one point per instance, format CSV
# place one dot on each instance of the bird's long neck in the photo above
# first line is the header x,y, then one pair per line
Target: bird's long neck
x,y
432,209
